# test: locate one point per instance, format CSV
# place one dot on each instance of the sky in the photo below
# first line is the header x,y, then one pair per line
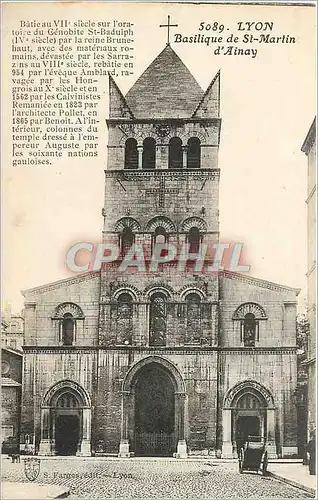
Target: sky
x,y
267,106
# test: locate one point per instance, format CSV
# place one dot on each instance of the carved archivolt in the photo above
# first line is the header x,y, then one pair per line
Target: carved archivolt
x,y
172,369
164,288
252,308
121,224
70,308
64,386
131,290
194,222
160,221
187,290
248,386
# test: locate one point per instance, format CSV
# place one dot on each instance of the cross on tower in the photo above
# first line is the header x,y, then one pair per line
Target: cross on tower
x,y
168,26
161,192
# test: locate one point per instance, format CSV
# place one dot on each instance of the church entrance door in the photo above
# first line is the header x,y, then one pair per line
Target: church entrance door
x,y
65,420
249,419
154,413
67,434
247,426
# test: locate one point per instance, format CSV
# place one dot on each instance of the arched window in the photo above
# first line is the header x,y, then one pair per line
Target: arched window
x,y
158,319
131,153
194,239
160,237
249,315
67,315
127,240
193,304
175,153
249,330
149,153
124,319
194,153
68,325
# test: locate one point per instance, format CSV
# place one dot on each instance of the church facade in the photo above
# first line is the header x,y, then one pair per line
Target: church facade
x,y
166,362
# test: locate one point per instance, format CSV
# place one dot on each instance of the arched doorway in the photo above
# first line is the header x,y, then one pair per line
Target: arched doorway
x,y
65,420
154,431
248,410
153,408
67,415
249,417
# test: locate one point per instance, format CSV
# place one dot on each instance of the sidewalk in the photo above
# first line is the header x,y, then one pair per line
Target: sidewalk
x,y
295,474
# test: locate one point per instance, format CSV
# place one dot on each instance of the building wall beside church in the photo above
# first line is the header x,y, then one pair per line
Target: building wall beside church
x,y
273,361
46,360
309,148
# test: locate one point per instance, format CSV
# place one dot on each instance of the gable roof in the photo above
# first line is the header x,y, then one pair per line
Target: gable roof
x,y
209,104
118,107
9,382
61,283
166,89
12,350
310,138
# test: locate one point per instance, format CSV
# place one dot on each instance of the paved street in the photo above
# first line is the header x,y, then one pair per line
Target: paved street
x,y
126,479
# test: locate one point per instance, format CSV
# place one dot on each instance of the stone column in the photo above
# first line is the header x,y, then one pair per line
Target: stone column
x,y
124,441
85,449
227,448
143,324
270,437
45,443
182,444
140,150
184,156
53,433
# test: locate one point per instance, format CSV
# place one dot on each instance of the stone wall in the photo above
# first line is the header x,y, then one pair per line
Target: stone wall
x,y
185,195
41,303
198,369
10,409
45,367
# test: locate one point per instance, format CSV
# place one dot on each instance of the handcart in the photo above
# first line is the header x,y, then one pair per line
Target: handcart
x,y
253,455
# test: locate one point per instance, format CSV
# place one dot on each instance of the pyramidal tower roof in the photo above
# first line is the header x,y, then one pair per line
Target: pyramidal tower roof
x,y
166,89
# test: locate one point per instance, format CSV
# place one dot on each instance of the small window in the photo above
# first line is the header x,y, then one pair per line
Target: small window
x,y
124,319
127,240
131,154
149,154
175,153
194,239
160,237
5,368
193,333
68,329
194,153
249,330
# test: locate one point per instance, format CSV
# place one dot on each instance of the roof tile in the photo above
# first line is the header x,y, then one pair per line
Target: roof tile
x,y
166,89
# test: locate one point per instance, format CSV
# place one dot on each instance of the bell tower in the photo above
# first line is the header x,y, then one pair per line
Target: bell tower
x,y
162,186
163,148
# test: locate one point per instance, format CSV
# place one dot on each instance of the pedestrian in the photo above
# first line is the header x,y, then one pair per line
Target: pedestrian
x,y
311,450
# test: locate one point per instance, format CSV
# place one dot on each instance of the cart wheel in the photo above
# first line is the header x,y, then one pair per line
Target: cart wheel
x,y
241,460
265,463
